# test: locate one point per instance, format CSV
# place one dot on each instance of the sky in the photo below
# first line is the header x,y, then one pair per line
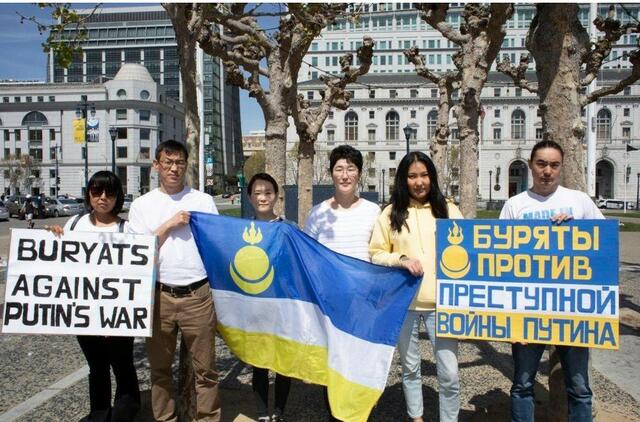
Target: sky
x,y
22,56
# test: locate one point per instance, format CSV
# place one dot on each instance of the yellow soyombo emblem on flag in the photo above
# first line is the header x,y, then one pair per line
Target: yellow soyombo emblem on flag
x,y
454,261
251,269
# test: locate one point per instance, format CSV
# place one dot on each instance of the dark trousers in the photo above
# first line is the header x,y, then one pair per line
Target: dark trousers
x,y
260,385
103,354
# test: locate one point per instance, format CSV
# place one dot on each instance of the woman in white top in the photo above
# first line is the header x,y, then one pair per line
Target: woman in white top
x,y
344,222
104,198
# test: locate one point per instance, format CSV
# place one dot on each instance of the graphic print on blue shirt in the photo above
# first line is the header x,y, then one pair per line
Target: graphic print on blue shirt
x,y
546,214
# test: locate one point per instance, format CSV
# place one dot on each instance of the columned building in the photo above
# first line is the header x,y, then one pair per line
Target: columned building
x,y
37,121
144,35
392,96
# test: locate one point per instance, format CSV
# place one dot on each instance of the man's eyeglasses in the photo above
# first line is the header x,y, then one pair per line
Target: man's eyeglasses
x,y
96,191
167,164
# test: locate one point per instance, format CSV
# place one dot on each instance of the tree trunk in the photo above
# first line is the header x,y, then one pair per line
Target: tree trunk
x,y
305,177
276,154
467,127
557,42
438,146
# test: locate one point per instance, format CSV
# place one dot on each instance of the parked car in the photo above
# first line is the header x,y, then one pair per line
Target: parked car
x,y
63,206
611,204
128,199
4,212
14,205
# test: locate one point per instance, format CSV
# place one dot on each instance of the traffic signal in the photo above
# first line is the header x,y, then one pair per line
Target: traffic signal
x,y
57,180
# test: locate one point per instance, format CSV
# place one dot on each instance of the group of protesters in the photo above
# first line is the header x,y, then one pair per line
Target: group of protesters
x,y
400,235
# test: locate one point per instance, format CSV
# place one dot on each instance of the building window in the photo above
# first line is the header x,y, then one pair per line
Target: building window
x,y
392,124
16,135
121,152
496,113
372,135
434,93
36,153
52,153
539,133
414,93
7,153
122,133
330,115
52,98
454,133
496,92
5,99
40,99
84,153
392,155
603,125
121,114
626,132
372,114
121,94
351,126
310,95
392,173
145,115
393,93
29,99
627,112
52,173
52,134
518,92
432,122
413,114
145,134
497,133
627,90
144,153
372,93
16,99
331,135
34,118
518,125
35,135
6,135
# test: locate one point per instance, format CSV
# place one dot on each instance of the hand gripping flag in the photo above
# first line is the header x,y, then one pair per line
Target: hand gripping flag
x,y
287,303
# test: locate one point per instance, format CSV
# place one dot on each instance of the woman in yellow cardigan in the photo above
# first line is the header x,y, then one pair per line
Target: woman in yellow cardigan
x,y
404,236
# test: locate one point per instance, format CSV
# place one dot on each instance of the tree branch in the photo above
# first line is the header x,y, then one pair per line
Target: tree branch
x,y
435,15
613,30
634,58
517,73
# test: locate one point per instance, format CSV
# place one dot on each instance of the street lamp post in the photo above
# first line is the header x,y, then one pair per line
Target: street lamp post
x,y
638,193
113,132
81,110
490,184
408,130
57,149
383,170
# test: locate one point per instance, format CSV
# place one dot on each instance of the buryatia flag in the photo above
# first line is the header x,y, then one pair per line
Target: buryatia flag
x,y
287,303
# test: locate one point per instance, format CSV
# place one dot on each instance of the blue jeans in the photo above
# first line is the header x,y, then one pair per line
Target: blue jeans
x,y
446,353
575,365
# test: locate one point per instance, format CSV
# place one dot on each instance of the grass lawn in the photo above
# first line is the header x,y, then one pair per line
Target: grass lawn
x,y
233,212
629,214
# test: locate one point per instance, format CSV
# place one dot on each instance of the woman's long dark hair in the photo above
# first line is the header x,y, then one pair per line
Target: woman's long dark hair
x,y
106,181
400,196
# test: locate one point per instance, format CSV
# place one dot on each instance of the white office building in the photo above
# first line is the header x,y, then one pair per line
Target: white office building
x,y
392,96
36,120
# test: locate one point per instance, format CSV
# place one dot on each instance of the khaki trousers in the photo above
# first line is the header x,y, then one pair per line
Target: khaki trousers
x,y
195,316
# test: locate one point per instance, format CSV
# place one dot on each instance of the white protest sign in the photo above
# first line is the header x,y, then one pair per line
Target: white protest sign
x,y
81,283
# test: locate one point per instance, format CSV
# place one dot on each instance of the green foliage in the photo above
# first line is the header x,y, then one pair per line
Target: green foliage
x,y
254,164
66,32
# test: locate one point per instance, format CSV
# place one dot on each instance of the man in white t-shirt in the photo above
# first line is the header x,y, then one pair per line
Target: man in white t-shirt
x,y
547,200
183,297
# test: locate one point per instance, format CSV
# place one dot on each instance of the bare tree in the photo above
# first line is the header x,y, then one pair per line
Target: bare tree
x,y
253,56
309,120
180,15
566,62
446,83
479,39
22,172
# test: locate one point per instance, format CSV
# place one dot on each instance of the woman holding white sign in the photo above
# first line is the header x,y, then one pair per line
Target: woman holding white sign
x,y
546,199
404,236
104,198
